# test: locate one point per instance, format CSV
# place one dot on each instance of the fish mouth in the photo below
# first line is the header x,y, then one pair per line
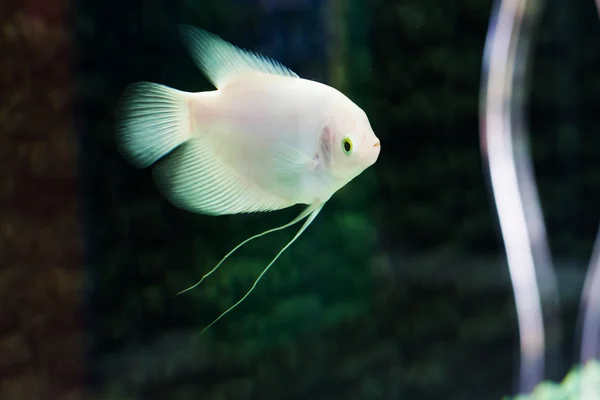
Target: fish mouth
x,y
374,153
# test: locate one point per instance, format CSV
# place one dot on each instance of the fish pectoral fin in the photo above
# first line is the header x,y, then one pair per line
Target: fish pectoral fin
x,y
307,211
314,211
291,161
220,60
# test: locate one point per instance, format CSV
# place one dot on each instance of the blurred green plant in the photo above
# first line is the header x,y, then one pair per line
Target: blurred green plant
x,y
579,384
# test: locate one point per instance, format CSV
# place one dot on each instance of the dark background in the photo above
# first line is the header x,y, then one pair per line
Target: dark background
x,y
399,289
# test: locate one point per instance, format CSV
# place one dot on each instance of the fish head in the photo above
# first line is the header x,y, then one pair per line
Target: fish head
x,y
348,143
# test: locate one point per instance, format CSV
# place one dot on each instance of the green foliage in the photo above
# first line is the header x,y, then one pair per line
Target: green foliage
x,y
579,384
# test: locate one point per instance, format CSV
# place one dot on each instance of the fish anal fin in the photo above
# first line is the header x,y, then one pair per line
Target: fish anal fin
x,y
198,178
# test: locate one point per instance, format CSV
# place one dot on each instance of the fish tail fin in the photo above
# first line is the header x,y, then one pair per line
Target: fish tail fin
x,y
152,120
308,221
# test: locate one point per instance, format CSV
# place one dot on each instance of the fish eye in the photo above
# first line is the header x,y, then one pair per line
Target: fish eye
x,y
347,145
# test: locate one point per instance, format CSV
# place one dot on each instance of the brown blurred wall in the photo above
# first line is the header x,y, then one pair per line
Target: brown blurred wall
x,y
41,329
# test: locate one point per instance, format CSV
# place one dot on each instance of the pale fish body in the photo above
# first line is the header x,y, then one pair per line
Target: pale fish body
x,y
264,140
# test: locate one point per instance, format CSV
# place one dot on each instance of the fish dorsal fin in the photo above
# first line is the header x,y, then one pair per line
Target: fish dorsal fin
x,y
220,60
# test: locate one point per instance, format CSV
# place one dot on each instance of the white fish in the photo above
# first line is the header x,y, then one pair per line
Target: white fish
x,y
264,140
